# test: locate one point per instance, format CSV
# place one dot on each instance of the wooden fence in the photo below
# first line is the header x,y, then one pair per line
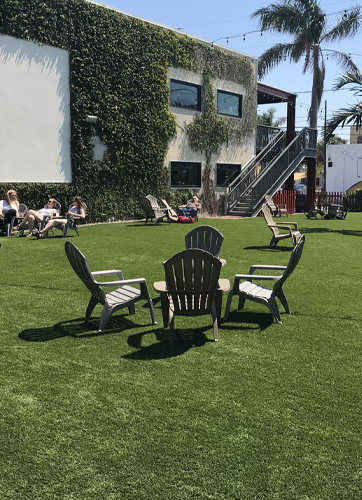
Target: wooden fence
x,y
290,199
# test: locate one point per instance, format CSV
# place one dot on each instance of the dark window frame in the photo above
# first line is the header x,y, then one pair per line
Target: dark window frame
x,y
238,165
188,164
188,84
226,92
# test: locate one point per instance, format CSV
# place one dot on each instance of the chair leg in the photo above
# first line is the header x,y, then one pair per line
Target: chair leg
x,y
92,303
65,230
283,300
172,330
131,309
273,307
218,304
214,320
228,304
165,306
106,314
145,294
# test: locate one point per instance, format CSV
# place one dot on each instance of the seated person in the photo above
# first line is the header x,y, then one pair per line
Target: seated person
x,y
9,207
78,209
192,207
37,216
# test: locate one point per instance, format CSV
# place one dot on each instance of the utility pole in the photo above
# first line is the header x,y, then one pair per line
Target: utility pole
x,y
325,147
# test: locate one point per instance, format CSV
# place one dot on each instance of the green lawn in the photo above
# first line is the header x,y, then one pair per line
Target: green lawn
x,y
269,412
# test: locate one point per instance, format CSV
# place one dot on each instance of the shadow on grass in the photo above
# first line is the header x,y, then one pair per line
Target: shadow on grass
x,y
345,232
77,329
270,249
184,340
248,321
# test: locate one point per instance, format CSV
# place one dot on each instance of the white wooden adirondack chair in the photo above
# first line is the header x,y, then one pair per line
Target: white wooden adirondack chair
x,y
286,226
125,296
257,293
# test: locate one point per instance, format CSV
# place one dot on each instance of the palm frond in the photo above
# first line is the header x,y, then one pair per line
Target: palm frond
x,y
346,28
273,57
343,60
354,78
283,17
345,116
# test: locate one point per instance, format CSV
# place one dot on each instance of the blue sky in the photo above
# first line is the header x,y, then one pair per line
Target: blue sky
x,y
227,23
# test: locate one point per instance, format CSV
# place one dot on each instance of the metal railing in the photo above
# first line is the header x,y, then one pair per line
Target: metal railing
x,y
272,178
268,170
254,168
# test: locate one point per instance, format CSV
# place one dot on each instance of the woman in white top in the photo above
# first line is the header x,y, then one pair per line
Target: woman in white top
x,y
37,216
9,207
78,209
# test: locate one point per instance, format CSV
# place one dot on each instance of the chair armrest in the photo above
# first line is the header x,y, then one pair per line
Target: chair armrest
x,y
109,272
256,266
295,224
120,281
160,287
224,285
251,277
138,281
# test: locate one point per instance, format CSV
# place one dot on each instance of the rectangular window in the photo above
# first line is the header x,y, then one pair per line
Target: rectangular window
x,y
185,95
185,174
226,173
229,104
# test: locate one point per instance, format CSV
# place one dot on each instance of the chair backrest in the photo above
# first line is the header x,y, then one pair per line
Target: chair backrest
x,y
293,262
153,201
270,202
80,267
155,206
56,208
192,278
146,204
205,238
171,212
269,219
22,209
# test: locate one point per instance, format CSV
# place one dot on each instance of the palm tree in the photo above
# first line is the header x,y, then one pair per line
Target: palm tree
x,y
306,21
267,118
353,114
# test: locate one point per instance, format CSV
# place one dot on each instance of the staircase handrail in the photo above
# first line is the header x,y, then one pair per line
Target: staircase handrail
x,y
238,182
282,166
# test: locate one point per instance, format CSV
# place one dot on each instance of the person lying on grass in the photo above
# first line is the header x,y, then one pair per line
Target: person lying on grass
x,y
33,216
78,209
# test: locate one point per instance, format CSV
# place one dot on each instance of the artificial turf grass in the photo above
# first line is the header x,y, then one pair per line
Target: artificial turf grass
x,y
268,412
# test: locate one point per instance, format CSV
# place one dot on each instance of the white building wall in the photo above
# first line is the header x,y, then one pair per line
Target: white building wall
x,y
35,112
346,166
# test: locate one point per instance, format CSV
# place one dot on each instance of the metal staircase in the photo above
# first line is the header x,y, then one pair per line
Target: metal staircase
x,y
267,172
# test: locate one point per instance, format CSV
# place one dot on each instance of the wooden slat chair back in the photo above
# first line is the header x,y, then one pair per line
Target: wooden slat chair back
x,y
248,290
150,206
192,287
294,234
275,209
125,296
22,209
205,238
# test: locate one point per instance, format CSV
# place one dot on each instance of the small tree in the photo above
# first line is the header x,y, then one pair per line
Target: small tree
x,y
267,118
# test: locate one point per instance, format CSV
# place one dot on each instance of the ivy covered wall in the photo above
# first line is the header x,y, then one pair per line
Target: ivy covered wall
x,y
118,72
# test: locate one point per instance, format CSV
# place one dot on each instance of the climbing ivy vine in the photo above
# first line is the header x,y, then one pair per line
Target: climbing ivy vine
x,y
118,72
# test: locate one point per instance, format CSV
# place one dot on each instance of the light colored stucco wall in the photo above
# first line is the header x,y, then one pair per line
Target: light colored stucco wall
x,y
355,136
179,149
35,112
346,169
